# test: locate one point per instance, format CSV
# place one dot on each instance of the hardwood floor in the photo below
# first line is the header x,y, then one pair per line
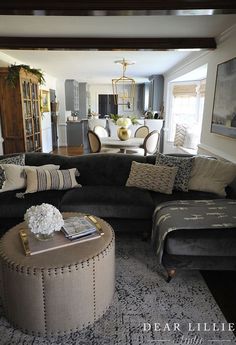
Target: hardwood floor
x,y
68,151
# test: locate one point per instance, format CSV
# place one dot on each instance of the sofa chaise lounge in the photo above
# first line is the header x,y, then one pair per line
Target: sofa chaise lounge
x,y
103,178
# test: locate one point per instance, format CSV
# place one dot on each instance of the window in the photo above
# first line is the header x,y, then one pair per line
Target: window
x,y
187,103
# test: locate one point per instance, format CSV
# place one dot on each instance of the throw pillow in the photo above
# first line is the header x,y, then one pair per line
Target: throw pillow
x,y
40,180
18,160
211,175
158,178
184,166
15,176
180,133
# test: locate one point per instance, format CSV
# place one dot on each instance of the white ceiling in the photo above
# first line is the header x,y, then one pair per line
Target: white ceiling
x,y
99,66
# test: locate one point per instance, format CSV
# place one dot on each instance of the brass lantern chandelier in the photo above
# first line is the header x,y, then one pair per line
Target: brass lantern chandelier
x,y
124,87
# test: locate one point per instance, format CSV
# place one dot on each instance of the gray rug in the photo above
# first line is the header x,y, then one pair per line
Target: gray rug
x,y
143,296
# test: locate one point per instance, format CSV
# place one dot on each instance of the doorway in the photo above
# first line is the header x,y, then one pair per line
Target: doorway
x,y
106,105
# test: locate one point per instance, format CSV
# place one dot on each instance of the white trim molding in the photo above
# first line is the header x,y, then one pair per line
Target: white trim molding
x,y
205,149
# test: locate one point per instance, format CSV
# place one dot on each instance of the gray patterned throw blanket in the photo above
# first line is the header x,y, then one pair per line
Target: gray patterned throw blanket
x,y
191,214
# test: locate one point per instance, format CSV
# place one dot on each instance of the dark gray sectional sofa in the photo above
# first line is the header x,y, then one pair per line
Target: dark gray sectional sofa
x,y
103,193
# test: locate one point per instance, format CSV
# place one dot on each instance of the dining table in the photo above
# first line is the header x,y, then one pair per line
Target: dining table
x,y
123,145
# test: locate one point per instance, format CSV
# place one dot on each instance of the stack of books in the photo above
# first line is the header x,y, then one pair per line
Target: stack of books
x,y
81,227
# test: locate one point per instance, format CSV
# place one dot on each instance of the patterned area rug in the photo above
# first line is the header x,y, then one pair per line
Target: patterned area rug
x,y
146,309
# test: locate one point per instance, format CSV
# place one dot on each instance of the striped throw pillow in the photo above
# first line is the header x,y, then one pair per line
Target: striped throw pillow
x,y
40,180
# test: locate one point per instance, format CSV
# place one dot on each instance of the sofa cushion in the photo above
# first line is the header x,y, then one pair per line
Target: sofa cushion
x,y
217,242
11,206
177,195
211,175
157,178
184,166
41,179
18,160
109,201
15,176
96,169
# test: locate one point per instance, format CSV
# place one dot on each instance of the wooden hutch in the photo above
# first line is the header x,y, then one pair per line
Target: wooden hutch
x,y
20,113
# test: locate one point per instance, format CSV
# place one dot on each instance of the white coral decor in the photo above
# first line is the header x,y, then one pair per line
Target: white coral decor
x,y
124,122
44,219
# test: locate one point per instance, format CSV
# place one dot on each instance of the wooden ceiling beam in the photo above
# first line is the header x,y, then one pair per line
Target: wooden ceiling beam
x,y
81,7
107,43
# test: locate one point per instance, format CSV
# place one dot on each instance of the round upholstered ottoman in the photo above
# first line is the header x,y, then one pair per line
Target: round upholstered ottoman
x,y
59,291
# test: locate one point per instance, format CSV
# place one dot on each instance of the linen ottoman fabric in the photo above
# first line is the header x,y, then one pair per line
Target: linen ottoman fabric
x,y
15,176
40,179
70,288
184,166
152,177
18,160
211,175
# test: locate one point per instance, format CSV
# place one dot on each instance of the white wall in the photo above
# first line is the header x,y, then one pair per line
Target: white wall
x,y
46,117
6,60
98,89
226,49
106,89
220,145
61,113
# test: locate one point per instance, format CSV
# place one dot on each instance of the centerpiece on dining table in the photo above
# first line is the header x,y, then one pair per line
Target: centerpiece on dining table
x,y
123,123
123,130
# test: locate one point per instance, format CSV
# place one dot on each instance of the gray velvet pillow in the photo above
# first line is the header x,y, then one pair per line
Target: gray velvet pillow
x,y
18,160
184,166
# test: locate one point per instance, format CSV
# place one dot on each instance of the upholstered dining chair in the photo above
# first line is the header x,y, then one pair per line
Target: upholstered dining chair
x,y
94,142
100,131
141,132
150,144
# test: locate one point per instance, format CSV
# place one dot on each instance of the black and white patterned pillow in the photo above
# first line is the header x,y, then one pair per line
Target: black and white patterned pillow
x,y
18,160
184,166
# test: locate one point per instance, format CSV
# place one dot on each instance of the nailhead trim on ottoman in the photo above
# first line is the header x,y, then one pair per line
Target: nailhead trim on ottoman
x,y
57,292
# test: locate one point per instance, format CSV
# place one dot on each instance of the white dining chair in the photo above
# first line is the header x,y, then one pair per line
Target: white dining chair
x,y
150,144
100,131
141,132
96,146
94,142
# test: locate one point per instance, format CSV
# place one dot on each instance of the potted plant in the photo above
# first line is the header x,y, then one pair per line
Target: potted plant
x,y
14,70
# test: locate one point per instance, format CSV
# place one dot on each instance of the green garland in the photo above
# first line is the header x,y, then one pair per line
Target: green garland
x,y
14,70
133,118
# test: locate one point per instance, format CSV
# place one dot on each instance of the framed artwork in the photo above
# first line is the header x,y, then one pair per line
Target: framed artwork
x,y
45,101
224,106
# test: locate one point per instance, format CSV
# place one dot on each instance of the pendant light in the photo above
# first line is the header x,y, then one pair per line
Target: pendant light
x,y
124,87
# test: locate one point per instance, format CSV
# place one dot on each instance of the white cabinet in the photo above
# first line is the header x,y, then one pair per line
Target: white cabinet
x,y
154,124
